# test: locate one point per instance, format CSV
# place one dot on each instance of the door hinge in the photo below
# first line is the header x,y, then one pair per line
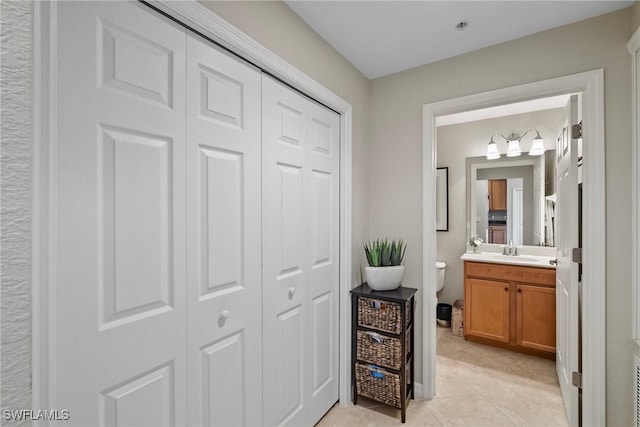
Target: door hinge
x,y
576,379
576,131
576,255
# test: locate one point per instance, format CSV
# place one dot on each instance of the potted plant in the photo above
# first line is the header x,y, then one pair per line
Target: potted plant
x,y
475,242
385,269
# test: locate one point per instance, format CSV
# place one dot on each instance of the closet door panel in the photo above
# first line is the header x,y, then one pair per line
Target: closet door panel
x,y
224,238
300,210
285,273
323,130
119,308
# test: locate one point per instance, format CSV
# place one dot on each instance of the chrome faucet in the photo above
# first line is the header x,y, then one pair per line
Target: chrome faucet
x,y
510,249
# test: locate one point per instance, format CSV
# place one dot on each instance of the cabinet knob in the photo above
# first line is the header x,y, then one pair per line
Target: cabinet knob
x,y
506,288
519,290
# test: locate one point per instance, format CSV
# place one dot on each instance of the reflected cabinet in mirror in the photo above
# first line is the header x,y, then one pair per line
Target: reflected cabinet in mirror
x,y
512,200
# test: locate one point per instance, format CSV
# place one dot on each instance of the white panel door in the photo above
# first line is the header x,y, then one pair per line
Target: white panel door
x,y
300,170
566,269
284,239
119,287
516,216
322,258
538,200
224,238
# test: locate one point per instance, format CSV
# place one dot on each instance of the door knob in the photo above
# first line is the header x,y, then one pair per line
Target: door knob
x,y
292,291
224,314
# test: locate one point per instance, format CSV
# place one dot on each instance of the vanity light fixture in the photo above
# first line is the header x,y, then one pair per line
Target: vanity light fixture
x,y
513,145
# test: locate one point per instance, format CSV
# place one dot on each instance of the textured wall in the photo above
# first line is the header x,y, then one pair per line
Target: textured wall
x,y
15,200
396,115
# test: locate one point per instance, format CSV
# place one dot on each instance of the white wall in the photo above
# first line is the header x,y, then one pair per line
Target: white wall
x,y
15,219
396,137
454,144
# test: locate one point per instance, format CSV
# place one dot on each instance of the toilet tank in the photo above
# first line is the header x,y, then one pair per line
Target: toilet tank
x,y
440,269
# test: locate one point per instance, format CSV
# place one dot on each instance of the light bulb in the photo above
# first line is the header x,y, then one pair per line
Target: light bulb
x,y
492,151
514,148
537,148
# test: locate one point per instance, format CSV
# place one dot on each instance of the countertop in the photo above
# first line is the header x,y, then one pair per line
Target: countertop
x,y
494,258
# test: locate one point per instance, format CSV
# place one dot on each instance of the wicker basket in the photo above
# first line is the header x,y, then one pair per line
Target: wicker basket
x,y
378,384
379,349
382,315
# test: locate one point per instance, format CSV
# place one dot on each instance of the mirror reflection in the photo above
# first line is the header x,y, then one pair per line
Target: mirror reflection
x,y
512,200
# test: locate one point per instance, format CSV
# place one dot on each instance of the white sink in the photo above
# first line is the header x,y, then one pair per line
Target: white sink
x,y
533,261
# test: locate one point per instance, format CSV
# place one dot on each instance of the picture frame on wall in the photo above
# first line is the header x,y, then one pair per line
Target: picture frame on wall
x,y
442,199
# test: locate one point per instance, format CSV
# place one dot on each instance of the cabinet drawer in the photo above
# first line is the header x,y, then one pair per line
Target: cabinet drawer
x,y
380,349
510,273
382,315
378,384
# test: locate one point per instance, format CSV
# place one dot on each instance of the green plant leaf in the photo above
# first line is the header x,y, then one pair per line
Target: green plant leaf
x,y
382,253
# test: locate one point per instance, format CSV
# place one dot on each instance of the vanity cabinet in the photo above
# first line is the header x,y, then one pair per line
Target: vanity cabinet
x,y
497,194
487,309
511,306
535,305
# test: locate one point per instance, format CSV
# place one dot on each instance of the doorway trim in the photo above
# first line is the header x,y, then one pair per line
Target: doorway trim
x,y
203,20
591,85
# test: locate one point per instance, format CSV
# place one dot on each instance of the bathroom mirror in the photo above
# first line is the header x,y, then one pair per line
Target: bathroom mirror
x,y
511,199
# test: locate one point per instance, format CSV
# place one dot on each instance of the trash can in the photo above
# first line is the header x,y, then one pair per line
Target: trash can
x,y
443,314
457,318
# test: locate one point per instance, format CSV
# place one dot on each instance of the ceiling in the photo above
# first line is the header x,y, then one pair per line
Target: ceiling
x,y
504,110
385,37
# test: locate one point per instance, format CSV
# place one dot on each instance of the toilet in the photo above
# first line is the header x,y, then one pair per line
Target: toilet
x,y
440,268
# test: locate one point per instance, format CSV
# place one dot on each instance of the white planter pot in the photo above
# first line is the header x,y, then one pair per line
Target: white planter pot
x,y
384,278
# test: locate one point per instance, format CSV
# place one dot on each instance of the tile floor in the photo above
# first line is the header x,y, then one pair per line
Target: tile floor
x,y
477,385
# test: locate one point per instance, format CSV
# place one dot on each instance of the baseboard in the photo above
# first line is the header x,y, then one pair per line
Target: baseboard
x,y
418,390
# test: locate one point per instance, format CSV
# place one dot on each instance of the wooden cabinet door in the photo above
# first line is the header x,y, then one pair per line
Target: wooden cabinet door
x,y
497,234
498,194
487,309
536,317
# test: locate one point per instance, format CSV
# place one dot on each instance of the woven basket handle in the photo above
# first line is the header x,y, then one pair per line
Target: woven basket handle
x,y
376,338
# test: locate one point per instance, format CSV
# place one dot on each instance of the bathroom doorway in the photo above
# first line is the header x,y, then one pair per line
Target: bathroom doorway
x,y
467,371
590,85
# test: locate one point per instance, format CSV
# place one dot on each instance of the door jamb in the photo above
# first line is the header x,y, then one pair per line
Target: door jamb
x,y
591,84
211,25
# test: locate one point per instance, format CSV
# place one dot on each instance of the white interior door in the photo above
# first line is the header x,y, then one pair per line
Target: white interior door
x,y
120,313
517,216
322,258
300,205
482,206
224,298
567,270
538,200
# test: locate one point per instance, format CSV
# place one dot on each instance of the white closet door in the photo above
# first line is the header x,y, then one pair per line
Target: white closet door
x,y
224,238
300,257
119,288
322,258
